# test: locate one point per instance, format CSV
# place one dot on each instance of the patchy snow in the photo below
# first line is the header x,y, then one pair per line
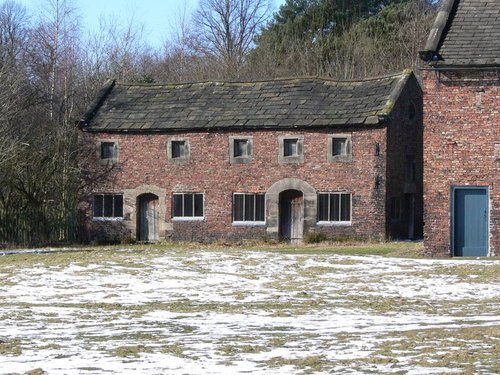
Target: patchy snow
x,y
238,312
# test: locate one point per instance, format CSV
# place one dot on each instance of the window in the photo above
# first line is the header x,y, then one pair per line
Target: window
x,y
187,205
107,151
108,206
178,151
248,207
334,207
339,148
291,149
240,150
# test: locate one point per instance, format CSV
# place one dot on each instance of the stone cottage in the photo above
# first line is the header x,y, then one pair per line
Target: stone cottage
x,y
462,130
274,159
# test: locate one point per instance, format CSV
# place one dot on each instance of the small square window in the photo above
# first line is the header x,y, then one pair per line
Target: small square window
x,y
107,151
178,151
339,148
291,149
240,150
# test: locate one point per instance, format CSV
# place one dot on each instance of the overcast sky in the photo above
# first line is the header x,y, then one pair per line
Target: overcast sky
x,y
157,16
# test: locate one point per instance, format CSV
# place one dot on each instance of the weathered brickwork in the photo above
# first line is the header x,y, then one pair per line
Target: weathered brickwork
x,y
291,140
461,131
143,161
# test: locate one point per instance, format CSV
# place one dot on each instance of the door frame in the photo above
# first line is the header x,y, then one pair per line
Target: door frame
x,y
454,189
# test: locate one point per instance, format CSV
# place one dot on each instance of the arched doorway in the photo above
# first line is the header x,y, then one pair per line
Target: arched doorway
x,y
147,217
291,215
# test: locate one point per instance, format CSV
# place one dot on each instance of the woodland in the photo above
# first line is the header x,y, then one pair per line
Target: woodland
x,y
51,70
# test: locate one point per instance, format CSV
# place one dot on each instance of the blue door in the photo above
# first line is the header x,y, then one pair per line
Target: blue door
x,y
470,222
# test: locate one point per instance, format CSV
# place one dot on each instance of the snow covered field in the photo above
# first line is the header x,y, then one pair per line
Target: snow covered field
x,y
241,312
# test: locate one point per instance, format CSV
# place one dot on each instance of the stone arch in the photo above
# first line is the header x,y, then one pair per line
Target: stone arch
x,y
273,199
131,207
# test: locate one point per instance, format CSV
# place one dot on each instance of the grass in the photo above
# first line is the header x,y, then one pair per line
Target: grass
x,y
278,306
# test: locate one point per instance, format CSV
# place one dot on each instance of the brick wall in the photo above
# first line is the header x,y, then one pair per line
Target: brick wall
x,y
461,129
143,162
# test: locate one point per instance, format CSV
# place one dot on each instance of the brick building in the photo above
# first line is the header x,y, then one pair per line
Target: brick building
x,y
274,159
462,130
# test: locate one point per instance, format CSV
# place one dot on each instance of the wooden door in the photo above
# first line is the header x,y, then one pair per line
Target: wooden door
x,y
147,217
291,215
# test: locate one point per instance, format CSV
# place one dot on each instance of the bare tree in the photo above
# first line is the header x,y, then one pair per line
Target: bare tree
x,y
227,29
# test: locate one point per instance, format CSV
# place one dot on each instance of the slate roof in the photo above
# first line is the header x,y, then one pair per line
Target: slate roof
x,y
281,103
465,33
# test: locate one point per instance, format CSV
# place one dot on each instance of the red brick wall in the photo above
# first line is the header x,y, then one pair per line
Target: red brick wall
x,y
143,161
461,128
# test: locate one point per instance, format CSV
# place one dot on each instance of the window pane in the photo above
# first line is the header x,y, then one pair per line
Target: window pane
x,y
238,207
198,205
260,204
240,147
345,214
334,207
98,205
178,149
188,205
323,207
107,150
249,207
177,205
118,205
108,205
290,147
339,146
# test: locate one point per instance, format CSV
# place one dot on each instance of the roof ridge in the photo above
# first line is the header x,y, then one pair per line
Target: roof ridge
x,y
298,78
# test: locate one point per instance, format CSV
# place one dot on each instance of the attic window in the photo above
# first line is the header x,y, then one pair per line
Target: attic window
x,y
107,151
339,148
178,151
291,149
240,150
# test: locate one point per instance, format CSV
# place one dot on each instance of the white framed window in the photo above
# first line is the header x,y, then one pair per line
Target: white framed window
x,y
107,207
249,208
187,206
291,149
335,208
240,150
339,148
178,151
107,151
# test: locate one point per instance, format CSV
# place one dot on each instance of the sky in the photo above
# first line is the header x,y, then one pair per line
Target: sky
x,y
158,16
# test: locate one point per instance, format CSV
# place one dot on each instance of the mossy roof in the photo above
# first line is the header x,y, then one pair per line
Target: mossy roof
x,y
280,103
